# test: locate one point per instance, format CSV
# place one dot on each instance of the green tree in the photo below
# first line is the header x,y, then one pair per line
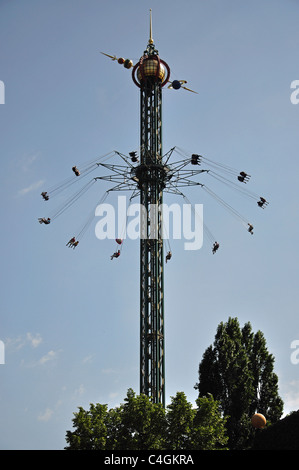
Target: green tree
x,y
201,428
142,423
138,424
265,381
91,430
209,432
180,416
238,371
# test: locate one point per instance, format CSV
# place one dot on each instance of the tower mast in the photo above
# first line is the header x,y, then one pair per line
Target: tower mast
x,y
152,74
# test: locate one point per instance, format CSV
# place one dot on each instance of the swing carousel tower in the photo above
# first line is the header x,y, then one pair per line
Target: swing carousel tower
x,y
150,74
150,176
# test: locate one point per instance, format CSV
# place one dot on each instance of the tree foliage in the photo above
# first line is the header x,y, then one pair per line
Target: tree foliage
x,y
138,424
238,371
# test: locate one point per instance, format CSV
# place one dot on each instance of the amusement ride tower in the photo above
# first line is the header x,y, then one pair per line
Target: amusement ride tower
x,y
150,74
149,176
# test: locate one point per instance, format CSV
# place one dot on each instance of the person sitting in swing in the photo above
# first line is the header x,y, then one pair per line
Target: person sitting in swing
x,y
250,229
116,254
215,247
71,242
45,196
195,159
168,256
133,156
262,202
43,220
75,244
76,171
243,177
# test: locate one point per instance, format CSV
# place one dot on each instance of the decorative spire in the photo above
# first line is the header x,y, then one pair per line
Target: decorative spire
x,y
151,50
151,41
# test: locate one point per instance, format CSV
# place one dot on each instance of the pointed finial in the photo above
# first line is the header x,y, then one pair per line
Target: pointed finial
x,y
151,41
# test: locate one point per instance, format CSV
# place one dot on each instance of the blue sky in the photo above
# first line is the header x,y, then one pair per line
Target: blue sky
x,y
70,318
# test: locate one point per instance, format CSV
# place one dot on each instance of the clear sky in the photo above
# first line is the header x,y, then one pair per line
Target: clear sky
x,y
70,318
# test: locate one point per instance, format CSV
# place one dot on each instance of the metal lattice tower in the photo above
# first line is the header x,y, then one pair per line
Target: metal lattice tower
x,y
149,177
152,74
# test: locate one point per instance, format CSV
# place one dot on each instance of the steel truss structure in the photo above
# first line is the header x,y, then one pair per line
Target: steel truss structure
x,y
149,177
